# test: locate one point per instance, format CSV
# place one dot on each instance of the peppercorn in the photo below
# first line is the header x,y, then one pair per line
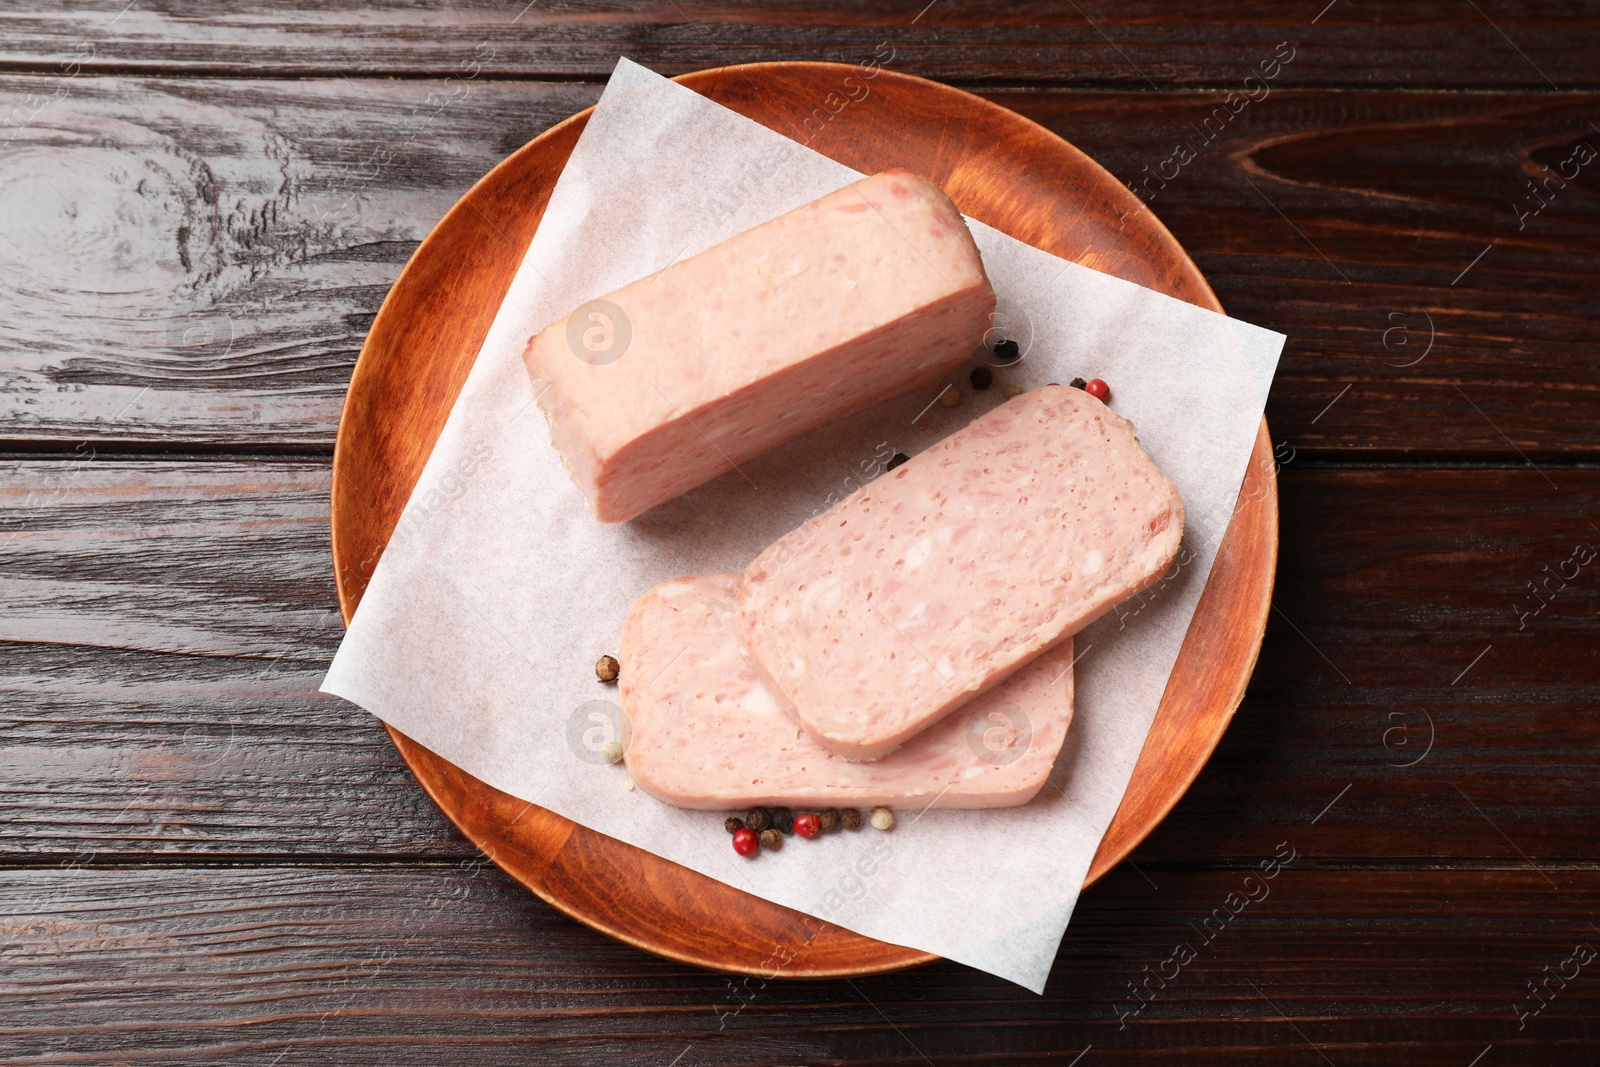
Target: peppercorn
x,y
899,458
745,842
1098,389
758,819
950,397
981,377
882,819
611,751
1006,351
851,818
782,820
806,824
771,840
1077,383
733,824
606,668
1013,389
829,820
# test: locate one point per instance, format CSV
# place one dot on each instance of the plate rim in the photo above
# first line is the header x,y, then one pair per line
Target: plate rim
x,y
410,751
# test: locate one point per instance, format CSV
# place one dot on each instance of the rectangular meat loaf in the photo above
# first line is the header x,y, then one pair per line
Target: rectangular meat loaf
x,y
705,733
850,300
932,583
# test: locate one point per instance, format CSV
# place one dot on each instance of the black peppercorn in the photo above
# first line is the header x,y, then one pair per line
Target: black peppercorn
x,y
1006,351
606,668
758,819
829,819
1077,383
850,818
733,824
783,820
899,458
771,840
981,377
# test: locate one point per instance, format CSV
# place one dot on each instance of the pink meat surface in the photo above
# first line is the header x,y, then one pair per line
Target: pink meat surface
x,y
934,582
850,300
705,733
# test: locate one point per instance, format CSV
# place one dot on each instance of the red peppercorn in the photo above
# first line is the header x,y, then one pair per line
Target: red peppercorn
x,y
1098,389
807,824
746,841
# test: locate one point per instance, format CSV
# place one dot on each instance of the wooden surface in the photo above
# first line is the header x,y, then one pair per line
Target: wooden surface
x,y
250,346
202,861
998,168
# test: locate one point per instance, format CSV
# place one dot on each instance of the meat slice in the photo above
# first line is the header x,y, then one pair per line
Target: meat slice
x,y
705,733
932,583
848,301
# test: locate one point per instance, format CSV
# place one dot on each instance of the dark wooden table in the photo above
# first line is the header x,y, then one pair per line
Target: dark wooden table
x,y
202,860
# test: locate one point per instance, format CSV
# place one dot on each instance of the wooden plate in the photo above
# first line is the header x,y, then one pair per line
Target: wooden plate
x,y
998,167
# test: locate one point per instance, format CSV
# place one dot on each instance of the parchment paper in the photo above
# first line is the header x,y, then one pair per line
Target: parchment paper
x,y
479,630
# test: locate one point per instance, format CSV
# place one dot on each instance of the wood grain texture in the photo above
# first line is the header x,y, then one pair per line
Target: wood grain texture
x,y
1133,45
165,628
1409,659
187,559
159,316
121,754
454,963
1382,234
998,168
217,250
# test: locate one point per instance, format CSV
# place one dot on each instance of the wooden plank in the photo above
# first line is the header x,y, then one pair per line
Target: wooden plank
x,y
1133,45
200,259
176,557
164,624
1397,239
1433,648
454,964
214,251
117,754
166,627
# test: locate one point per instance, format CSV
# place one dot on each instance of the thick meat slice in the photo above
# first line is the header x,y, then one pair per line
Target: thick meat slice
x,y
705,733
934,582
848,301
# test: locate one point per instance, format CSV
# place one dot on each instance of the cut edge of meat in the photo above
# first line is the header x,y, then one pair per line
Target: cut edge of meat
x,y
1162,549
1047,711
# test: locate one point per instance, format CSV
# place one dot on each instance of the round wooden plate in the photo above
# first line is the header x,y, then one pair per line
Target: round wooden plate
x,y
999,168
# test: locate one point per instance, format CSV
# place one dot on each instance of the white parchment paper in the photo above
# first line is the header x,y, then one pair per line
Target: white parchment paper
x,y
479,630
